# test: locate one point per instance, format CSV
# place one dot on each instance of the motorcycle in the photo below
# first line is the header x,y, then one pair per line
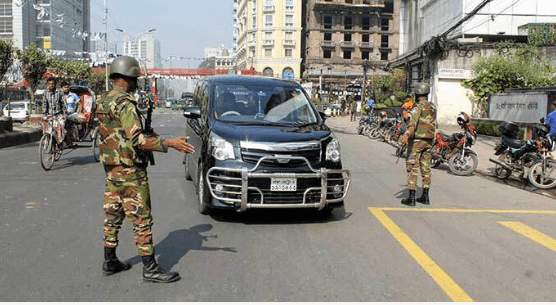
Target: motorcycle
x,y
529,158
455,149
396,131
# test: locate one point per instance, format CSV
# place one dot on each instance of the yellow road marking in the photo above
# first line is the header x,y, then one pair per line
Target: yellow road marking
x,y
455,210
531,233
452,289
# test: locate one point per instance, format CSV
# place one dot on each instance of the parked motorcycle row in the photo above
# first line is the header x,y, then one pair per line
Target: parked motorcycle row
x,y
529,159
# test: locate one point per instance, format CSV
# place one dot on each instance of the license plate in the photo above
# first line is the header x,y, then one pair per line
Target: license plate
x,y
283,184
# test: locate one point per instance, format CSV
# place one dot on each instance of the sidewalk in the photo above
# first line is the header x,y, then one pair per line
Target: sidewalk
x,y
21,134
484,148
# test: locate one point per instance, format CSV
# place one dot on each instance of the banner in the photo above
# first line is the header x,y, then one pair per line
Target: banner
x,y
518,107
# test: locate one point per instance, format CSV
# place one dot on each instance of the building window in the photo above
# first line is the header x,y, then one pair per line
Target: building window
x,y
364,54
267,35
289,5
347,54
268,71
347,36
289,35
327,22
268,52
268,21
327,36
365,23
327,54
288,53
384,43
289,21
384,25
254,22
365,38
383,55
347,23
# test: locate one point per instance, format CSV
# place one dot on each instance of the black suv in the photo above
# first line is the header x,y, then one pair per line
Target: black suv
x,y
260,143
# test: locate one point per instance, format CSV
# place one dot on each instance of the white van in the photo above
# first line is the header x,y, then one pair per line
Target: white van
x,y
19,110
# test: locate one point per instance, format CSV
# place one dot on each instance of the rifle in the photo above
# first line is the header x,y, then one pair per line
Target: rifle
x,y
399,152
148,127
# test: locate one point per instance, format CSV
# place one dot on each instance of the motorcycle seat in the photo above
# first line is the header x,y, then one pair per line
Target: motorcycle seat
x,y
445,137
513,143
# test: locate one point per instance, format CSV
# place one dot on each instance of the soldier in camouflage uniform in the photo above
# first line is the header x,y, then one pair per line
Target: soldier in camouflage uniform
x,y
123,152
421,131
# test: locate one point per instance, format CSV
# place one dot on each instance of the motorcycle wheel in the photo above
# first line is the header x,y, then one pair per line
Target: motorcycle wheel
x,y
543,179
502,172
463,167
435,159
46,151
374,133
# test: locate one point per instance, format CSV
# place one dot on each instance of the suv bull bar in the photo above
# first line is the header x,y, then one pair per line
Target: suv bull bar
x,y
241,185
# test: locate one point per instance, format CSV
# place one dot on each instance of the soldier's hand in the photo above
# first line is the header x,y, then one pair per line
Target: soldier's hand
x,y
180,144
404,139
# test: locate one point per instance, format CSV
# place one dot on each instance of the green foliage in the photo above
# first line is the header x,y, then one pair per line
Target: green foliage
x,y
384,86
520,67
34,64
73,70
97,82
542,34
6,57
490,128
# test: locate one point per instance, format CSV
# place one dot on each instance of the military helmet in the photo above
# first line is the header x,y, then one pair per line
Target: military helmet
x,y
126,66
422,89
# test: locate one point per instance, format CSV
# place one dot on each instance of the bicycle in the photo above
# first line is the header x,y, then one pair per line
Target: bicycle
x,y
50,145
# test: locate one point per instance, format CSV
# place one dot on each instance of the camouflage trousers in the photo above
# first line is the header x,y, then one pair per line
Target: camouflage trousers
x,y
131,200
419,161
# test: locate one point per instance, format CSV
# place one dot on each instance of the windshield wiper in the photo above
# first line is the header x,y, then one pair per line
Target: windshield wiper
x,y
264,123
304,124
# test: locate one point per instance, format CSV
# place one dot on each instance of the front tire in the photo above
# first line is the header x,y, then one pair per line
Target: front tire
x,y
463,167
543,179
203,193
435,159
47,151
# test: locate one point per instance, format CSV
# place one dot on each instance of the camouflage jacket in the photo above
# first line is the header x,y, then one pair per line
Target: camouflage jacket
x,y
422,124
123,143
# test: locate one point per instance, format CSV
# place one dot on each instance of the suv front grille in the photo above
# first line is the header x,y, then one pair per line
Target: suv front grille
x,y
252,152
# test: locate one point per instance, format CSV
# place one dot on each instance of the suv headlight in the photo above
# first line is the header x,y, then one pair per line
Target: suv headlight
x,y
333,150
220,148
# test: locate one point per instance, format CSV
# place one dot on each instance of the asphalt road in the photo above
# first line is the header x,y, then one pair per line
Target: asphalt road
x,y
480,240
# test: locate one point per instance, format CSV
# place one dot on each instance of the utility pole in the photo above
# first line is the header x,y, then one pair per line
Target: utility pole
x,y
106,42
366,65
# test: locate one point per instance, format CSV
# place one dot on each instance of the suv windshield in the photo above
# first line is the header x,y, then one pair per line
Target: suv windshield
x,y
271,104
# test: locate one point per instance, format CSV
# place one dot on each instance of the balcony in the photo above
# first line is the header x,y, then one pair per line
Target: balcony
x,y
289,42
268,42
363,6
327,44
366,45
347,44
268,9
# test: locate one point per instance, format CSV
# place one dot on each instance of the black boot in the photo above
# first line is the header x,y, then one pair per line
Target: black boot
x,y
424,199
410,200
111,263
153,273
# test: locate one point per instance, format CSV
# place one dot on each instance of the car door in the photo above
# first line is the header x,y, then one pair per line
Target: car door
x,y
196,128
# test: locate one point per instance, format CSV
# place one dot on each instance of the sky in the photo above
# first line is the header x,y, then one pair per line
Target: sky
x,y
183,27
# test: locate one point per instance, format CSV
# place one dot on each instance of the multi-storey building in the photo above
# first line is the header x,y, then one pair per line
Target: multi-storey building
x,y
145,48
268,36
342,35
62,25
441,40
219,58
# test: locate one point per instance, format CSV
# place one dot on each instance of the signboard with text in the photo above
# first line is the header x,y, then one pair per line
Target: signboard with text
x,y
518,107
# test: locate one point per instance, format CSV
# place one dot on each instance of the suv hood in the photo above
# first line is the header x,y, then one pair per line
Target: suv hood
x,y
262,133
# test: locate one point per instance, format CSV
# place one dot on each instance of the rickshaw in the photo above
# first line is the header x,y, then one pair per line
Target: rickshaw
x,y
79,126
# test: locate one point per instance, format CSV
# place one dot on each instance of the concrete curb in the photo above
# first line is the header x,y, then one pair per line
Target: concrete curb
x,y
19,137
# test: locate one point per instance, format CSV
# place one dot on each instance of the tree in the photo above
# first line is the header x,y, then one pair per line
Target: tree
x,y
74,70
6,57
34,63
520,67
97,82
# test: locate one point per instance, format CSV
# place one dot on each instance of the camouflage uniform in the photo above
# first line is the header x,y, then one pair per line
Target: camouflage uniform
x,y
421,128
123,154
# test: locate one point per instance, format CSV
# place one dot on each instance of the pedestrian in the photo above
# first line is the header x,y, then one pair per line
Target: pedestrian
x,y
371,104
353,109
343,107
551,117
123,152
419,135
54,105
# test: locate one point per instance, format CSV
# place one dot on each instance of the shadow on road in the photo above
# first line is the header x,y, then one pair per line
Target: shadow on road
x,y
178,243
281,216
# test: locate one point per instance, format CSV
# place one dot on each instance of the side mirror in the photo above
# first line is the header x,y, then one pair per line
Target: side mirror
x,y
192,112
323,116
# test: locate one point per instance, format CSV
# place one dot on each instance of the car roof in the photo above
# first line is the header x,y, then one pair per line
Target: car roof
x,y
251,80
